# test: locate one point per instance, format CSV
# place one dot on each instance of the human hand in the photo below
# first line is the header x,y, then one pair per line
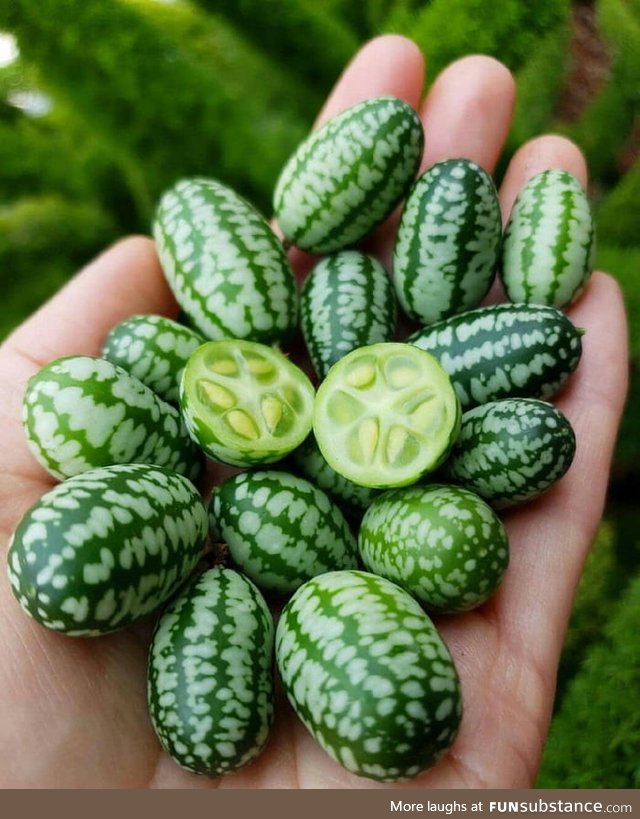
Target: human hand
x,y
73,712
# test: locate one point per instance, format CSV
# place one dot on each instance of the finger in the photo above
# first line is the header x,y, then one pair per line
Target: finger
x,y
389,65
468,112
124,280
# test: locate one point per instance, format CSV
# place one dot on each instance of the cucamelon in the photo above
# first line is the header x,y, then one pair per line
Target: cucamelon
x,y
448,241
210,685
83,412
347,302
511,451
443,544
549,243
348,176
154,349
106,547
386,415
226,267
368,674
245,403
505,350
280,529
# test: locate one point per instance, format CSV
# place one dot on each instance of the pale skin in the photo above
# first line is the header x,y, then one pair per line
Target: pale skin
x,y
73,712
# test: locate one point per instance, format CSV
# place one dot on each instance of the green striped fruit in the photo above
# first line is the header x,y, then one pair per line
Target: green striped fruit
x,y
226,267
504,350
443,544
351,498
106,548
368,674
347,302
280,529
386,415
511,451
348,176
154,349
82,412
448,241
549,243
210,680
244,403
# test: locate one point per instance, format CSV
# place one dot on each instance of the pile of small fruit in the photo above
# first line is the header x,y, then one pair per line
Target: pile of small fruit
x,y
363,504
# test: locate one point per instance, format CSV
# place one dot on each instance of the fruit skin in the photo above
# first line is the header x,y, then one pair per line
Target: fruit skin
x,y
549,242
206,422
351,498
225,266
210,680
521,350
347,302
280,529
511,451
349,174
106,547
448,241
386,415
81,412
368,674
443,544
154,349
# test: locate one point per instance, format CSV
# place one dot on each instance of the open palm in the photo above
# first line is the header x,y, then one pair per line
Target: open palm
x,y
73,712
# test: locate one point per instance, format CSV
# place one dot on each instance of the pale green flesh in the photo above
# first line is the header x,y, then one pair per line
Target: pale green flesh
x,y
245,403
386,415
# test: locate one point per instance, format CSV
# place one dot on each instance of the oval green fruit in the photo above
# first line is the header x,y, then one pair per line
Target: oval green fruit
x,y
348,176
503,351
82,412
154,349
386,415
511,451
245,403
368,674
347,302
225,266
210,681
549,242
280,529
443,544
448,241
106,548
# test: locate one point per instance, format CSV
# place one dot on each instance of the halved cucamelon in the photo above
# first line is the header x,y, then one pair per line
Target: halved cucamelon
x,y
280,529
245,403
348,176
511,451
505,350
368,674
443,544
82,412
106,547
448,241
549,246
347,302
210,684
154,349
226,267
350,497
385,415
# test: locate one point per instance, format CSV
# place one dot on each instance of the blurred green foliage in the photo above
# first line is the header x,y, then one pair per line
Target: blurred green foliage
x,y
140,92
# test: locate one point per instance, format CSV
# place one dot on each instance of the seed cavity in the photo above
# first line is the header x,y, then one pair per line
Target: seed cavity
x,y
402,447
401,371
428,416
260,367
223,366
343,408
368,435
242,424
271,408
362,374
216,394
